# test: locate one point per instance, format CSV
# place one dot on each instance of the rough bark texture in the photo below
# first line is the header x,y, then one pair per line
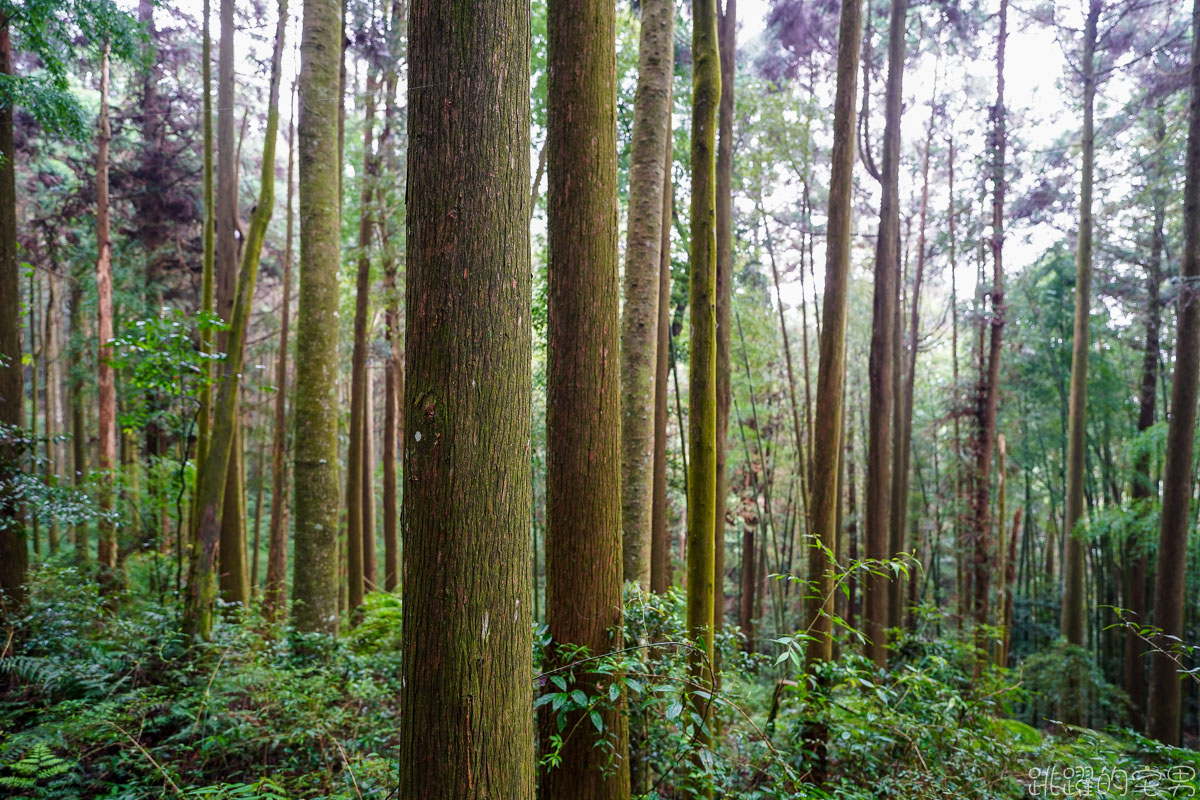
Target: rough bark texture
x,y
275,592
212,491
106,453
831,372
727,43
639,323
887,269
1163,723
702,369
1144,485
660,546
207,288
370,560
355,530
467,730
1073,617
14,555
583,412
315,471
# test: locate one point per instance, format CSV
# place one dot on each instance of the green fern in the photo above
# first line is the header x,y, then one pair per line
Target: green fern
x,y
39,764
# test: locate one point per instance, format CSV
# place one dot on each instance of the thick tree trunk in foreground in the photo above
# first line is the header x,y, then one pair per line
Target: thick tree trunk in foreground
x,y
702,369
639,323
467,731
1073,578
831,372
14,555
1177,467
1144,486
887,270
213,489
660,537
275,593
315,407
583,412
105,383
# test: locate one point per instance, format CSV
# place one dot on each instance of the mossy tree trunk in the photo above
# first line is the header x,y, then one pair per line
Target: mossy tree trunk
x,y
880,367
314,460
14,553
639,322
1074,586
583,391
467,663
831,370
213,489
702,368
1165,678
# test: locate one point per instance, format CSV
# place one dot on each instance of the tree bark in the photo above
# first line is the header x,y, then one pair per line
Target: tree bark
x,y
1073,579
1177,467
639,322
207,287
105,384
14,553
831,372
887,268
466,666
660,545
213,489
702,368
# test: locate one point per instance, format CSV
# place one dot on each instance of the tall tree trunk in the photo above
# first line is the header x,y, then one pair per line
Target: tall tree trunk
x,y
466,666
234,575
33,302
315,450
370,560
639,322
213,490
583,422
55,450
14,553
660,545
887,269
105,384
75,384
702,369
960,595
275,592
1177,466
207,285
1073,578
727,45
355,540
831,371
1144,486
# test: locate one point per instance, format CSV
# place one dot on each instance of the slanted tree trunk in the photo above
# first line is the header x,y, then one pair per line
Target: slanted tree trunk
x,y
355,538
660,545
275,591
702,369
105,384
1177,467
213,489
466,663
14,553
639,322
831,372
315,408
887,270
1144,486
583,413
1073,578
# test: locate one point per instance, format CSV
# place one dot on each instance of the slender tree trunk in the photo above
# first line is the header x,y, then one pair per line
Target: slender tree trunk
x,y
315,450
275,592
1177,467
852,604
105,384
213,490
639,322
75,383
33,302
660,546
466,697
1073,577
55,450
207,284
887,268
355,530
1144,486
14,553
583,422
831,372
